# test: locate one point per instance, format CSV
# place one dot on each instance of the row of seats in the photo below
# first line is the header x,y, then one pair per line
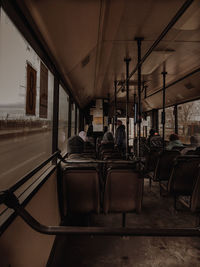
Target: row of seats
x,y
81,191
179,176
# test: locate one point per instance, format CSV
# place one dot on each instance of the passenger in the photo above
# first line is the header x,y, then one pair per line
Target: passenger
x,y
105,129
151,134
100,138
83,135
108,138
194,143
120,136
75,146
154,140
174,141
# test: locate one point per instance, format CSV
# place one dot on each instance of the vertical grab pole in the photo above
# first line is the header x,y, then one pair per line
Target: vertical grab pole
x,y
115,106
139,40
127,60
164,73
176,119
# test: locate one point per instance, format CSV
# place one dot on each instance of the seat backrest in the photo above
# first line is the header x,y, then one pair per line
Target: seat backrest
x,y
184,175
151,159
179,148
123,191
80,190
165,164
195,200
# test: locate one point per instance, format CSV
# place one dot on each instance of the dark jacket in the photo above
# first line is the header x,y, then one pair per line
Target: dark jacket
x,y
120,136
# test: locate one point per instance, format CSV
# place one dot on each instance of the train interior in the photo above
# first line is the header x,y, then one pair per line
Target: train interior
x,y
77,188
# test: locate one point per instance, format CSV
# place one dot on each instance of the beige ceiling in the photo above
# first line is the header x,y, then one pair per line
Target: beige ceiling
x,y
90,38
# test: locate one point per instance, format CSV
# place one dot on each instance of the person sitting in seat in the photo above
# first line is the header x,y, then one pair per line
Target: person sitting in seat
x,y
120,137
83,135
107,138
194,143
100,138
151,134
174,142
107,141
154,140
75,146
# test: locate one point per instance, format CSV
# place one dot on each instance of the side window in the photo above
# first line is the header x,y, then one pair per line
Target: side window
x,y
63,120
188,120
26,106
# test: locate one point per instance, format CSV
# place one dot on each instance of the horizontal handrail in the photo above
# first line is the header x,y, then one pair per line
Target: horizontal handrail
x,y
34,171
101,161
9,199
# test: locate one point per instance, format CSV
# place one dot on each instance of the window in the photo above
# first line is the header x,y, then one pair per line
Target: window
x,y
188,120
169,122
63,120
78,117
73,119
25,135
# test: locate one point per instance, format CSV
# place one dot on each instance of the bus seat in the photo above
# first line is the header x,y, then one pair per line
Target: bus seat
x,y
81,193
179,148
123,191
184,175
151,159
165,165
190,152
195,199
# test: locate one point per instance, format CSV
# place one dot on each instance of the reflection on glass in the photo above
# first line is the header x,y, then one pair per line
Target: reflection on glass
x,y
63,120
73,119
188,120
77,120
169,122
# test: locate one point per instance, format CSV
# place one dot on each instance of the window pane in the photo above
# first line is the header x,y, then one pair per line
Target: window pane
x,y
169,122
188,120
73,120
25,112
78,120
63,119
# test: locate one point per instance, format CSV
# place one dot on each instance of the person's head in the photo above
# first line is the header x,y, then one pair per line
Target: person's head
x,y
173,137
105,129
90,130
152,132
75,145
108,138
83,135
119,122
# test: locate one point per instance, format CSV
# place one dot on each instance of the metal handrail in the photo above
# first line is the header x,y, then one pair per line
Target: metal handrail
x,y
9,199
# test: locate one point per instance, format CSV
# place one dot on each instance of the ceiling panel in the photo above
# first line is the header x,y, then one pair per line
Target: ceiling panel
x,y
90,39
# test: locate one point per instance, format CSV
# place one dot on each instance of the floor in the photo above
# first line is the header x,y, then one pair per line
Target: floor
x,y
96,251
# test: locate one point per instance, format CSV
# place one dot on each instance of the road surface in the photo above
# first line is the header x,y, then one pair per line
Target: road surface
x,y
20,155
